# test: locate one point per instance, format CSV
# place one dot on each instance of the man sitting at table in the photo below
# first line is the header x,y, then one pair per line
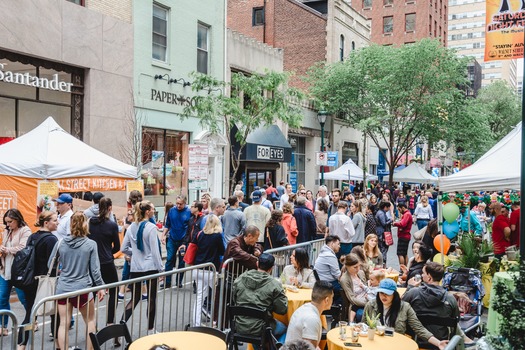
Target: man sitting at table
x,y
430,299
257,288
306,321
327,265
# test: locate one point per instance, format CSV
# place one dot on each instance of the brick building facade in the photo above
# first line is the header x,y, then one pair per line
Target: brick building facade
x,y
397,22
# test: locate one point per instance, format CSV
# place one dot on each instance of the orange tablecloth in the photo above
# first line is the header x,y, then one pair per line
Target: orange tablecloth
x,y
180,341
398,341
393,276
295,301
401,291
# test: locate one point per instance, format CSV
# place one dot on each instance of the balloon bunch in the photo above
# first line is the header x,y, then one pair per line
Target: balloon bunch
x,y
450,214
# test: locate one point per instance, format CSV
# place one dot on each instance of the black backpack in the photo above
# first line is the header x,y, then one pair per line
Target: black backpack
x,y
23,268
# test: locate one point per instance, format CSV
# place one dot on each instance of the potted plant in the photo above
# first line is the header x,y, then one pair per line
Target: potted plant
x,y
372,325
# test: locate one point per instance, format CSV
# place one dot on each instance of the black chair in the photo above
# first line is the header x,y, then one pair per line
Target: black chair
x,y
316,275
265,340
109,333
208,330
335,312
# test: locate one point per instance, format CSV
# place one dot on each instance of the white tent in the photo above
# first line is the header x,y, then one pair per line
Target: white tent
x,y
414,173
49,152
498,169
348,171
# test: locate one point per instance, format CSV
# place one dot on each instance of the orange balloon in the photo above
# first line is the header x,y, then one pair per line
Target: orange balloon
x,y
446,243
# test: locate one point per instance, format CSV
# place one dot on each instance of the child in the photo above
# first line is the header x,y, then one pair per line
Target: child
x,y
373,284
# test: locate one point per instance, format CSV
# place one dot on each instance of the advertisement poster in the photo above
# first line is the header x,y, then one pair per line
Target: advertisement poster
x,y
47,190
133,185
505,20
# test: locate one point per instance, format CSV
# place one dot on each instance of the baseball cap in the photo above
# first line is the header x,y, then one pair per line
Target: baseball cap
x,y
64,198
387,286
256,196
97,196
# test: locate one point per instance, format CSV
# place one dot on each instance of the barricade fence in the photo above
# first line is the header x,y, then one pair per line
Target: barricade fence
x,y
201,301
231,269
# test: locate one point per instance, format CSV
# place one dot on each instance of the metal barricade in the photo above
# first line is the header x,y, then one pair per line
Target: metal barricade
x,y
174,307
455,343
9,341
231,270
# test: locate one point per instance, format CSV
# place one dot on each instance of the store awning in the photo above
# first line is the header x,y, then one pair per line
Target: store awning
x,y
267,144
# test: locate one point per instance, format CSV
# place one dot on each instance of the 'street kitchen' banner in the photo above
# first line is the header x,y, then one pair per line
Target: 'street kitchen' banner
x,y
505,20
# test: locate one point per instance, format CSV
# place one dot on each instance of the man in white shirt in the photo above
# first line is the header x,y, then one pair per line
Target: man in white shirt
x,y
286,195
341,225
306,321
64,204
257,215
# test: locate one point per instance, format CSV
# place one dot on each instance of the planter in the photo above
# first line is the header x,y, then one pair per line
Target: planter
x,y
371,333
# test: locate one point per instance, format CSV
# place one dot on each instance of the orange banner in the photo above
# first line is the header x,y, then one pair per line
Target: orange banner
x,y
505,20
93,184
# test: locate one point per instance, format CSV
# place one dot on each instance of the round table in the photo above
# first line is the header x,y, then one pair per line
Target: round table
x,y
180,341
398,341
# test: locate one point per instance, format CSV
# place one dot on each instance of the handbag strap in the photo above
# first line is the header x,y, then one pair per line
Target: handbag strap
x,y
269,237
54,259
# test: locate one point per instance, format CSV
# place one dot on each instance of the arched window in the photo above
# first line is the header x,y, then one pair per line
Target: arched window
x,y
353,45
341,47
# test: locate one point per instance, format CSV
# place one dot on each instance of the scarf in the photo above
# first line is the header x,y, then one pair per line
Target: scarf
x,y
140,233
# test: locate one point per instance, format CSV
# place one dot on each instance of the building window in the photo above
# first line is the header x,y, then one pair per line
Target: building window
x,y
388,2
258,16
341,47
298,163
353,45
202,49
410,22
350,151
165,161
388,24
367,3
78,2
160,33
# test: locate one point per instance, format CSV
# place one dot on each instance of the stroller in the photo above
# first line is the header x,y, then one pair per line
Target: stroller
x,y
466,283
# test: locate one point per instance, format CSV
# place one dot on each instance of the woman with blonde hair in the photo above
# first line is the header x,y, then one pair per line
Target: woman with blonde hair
x,y
142,244
289,224
423,213
209,250
372,253
80,269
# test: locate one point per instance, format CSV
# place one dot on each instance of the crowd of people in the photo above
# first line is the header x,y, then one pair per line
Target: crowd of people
x,y
350,269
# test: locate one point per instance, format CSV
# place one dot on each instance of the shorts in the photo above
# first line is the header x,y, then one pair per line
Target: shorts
x,y
402,246
78,302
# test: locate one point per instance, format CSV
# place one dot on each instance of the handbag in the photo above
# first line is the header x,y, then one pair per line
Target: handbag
x,y
191,252
46,288
418,235
389,240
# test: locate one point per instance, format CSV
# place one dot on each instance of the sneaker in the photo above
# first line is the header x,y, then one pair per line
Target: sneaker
x,y
144,297
120,296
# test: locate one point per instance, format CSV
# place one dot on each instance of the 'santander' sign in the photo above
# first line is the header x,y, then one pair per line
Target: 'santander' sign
x,y
34,81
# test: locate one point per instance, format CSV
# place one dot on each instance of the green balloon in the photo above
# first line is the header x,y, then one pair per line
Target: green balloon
x,y
450,212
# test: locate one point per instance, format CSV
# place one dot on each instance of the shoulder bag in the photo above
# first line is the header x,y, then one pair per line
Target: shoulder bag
x,y
191,252
46,288
389,240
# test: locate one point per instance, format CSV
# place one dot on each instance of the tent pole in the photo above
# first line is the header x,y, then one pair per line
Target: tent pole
x,y
440,224
522,177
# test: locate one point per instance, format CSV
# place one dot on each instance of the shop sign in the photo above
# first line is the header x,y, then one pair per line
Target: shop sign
x,y
198,185
34,81
293,181
91,184
171,98
270,153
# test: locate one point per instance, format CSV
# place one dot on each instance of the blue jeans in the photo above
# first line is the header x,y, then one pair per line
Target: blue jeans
x,y
421,223
5,293
171,248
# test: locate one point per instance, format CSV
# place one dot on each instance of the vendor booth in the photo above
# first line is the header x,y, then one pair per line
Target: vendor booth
x,y
349,171
46,161
414,173
496,170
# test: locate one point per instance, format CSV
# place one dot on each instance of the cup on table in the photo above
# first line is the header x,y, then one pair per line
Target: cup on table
x,y
354,332
342,329
381,330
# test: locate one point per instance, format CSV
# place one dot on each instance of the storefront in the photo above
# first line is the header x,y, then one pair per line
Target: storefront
x,y
31,89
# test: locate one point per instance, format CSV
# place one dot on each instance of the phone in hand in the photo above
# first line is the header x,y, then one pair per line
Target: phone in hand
x,y
355,345
389,332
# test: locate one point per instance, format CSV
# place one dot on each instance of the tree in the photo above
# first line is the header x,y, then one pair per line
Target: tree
x,y
255,100
396,95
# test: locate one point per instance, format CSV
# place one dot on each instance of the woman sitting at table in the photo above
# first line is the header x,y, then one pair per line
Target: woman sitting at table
x,y
421,255
360,253
372,253
299,272
353,284
395,313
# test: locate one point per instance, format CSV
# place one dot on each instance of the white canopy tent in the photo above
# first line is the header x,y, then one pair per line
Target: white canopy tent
x,y
498,169
49,152
414,173
349,171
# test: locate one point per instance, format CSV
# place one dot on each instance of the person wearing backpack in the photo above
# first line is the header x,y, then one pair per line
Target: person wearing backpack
x,y
43,242
14,239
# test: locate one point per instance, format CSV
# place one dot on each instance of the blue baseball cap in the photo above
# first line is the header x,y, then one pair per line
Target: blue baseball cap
x,y
256,196
387,286
64,198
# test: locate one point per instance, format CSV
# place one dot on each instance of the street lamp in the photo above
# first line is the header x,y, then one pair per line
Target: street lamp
x,y
321,117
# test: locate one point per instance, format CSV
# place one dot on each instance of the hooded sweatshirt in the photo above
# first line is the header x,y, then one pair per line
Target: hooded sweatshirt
x,y
434,301
78,257
258,289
